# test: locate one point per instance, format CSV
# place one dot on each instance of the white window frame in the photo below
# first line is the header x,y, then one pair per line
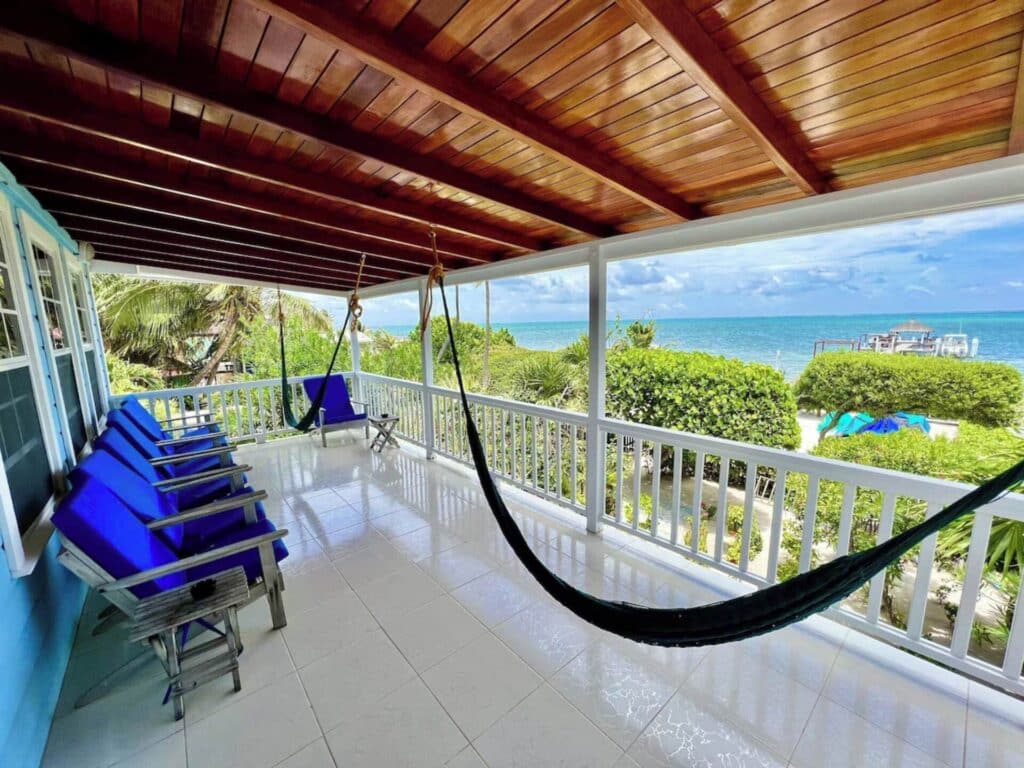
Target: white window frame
x,y
74,274
34,234
24,550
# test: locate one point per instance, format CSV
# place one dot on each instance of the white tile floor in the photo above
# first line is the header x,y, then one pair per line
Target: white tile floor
x,y
415,639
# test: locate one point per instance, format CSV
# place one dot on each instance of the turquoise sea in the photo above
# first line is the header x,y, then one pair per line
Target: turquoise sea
x,y
787,342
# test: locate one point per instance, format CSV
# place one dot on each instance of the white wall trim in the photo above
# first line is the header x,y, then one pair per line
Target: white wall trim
x,y
23,550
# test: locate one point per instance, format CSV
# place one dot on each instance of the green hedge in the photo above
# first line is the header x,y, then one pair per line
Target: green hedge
x,y
702,393
982,392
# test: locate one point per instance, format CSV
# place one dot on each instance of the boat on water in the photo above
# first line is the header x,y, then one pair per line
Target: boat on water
x,y
909,338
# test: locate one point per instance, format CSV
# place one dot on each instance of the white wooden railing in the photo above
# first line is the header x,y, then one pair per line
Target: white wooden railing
x,y
543,450
248,410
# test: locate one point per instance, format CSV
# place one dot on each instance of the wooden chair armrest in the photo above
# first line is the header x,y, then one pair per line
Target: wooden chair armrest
x,y
191,439
193,560
205,510
178,458
198,478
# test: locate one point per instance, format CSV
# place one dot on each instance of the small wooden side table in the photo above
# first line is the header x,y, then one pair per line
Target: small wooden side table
x,y
159,620
384,425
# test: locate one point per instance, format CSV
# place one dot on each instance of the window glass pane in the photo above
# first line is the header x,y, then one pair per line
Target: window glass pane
x,y
6,300
78,287
10,333
50,294
13,341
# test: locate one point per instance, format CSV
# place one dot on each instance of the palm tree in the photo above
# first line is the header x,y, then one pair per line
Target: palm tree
x,y
165,324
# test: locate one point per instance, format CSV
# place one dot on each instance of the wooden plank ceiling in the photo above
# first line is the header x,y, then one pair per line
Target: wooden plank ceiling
x,y
281,139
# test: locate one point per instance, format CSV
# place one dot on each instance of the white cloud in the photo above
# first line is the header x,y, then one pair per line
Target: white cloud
x,y
1014,283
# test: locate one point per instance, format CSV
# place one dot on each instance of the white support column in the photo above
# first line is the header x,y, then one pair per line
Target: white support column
x,y
597,330
427,359
357,391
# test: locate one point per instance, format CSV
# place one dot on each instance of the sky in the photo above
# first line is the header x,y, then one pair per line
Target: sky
x,y
957,262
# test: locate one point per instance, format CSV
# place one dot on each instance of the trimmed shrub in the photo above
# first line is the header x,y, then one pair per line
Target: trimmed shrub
x,y
702,393
982,392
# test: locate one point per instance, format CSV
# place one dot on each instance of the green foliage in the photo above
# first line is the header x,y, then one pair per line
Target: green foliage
x,y
307,349
545,378
578,352
734,527
982,392
469,338
187,329
388,355
128,377
975,455
641,333
698,392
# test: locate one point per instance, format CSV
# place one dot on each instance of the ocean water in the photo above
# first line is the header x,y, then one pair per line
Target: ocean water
x,y
787,343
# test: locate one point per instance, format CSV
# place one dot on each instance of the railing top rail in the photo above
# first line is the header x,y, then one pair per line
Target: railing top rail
x,y
901,483
543,411
207,388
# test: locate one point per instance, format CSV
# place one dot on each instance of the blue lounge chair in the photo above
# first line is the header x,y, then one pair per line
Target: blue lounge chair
x,y
162,433
337,412
197,457
188,528
112,550
191,489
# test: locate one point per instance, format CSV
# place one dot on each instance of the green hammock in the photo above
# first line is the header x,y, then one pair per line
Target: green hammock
x,y
309,418
741,617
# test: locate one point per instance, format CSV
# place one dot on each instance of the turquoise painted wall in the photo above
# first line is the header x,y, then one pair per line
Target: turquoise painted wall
x,y
38,613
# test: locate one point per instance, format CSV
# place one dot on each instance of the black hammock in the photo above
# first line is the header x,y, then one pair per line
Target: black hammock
x,y
306,422
735,619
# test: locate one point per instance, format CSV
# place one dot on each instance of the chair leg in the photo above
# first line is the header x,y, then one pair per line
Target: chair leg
x,y
366,431
276,601
323,437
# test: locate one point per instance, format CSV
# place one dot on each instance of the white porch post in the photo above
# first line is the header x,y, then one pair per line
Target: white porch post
x,y
427,360
357,392
597,330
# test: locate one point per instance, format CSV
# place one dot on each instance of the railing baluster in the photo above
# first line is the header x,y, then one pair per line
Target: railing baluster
x,y
977,553
775,539
558,459
1013,658
533,440
748,516
522,435
723,506
884,533
810,518
638,474
677,471
923,581
655,489
618,476
698,499
846,519
572,467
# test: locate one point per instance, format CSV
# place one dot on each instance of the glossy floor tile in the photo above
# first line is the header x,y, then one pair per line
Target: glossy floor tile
x,y
415,638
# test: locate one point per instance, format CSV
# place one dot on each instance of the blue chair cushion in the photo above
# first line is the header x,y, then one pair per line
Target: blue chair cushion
x,y
249,560
96,522
145,421
150,504
337,405
198,532
114,442
136,493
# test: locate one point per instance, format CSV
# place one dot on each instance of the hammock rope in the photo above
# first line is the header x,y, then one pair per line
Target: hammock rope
x,y
308,419
738,618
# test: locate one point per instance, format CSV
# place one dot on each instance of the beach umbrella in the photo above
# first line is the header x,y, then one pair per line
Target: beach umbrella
x,y
913,421
849,423
882,426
